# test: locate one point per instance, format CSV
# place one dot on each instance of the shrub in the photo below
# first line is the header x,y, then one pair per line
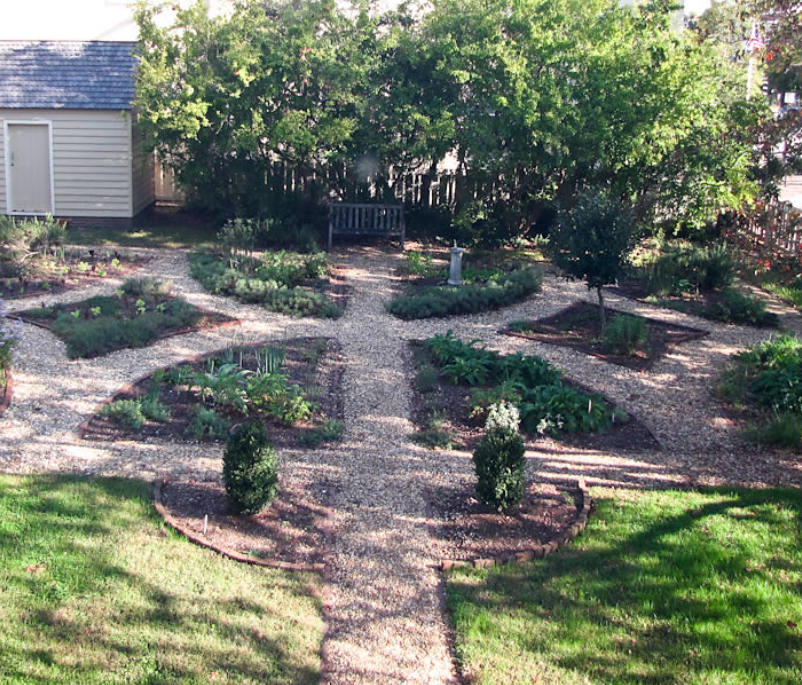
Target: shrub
x,y
207,424
626,334
688,268
783,429
426,378
557,409
467,299
128,412
499,459
740,309
250,469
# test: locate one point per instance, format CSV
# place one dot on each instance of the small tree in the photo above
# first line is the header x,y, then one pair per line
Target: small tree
x,y
499,459
591,241
250,466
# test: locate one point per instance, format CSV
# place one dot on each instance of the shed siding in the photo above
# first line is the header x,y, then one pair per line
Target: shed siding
x,y
92,161
144,179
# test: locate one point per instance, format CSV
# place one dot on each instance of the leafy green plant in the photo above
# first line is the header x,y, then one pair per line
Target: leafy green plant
x,y
436,434
626,334
740,309
329,431
250,469
95,311
781,429
688,268
557,409
426,378
207,424
499,459
128,412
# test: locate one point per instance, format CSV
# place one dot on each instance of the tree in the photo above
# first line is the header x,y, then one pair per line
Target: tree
x,y
592,240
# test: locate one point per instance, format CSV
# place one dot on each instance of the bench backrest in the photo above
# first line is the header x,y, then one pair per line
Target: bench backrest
x,y
366,219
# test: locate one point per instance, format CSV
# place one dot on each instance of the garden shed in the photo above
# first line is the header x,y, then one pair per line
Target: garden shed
x,y
69,146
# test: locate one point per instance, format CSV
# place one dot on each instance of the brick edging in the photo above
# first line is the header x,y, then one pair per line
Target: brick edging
x,y
537,551
229,554
9,392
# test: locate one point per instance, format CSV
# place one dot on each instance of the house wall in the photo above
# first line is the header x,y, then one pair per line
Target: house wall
x,y
143,174
92,161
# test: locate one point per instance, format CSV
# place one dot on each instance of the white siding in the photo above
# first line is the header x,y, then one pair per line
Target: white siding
x,y
92,161
144,182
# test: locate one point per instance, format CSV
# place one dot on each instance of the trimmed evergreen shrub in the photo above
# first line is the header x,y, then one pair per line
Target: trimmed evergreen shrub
x,y
626,334
499,459
250,469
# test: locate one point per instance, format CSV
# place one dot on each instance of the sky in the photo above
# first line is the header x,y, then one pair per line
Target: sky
x,y
100,19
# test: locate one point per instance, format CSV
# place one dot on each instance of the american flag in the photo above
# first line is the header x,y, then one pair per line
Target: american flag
x,y
755,41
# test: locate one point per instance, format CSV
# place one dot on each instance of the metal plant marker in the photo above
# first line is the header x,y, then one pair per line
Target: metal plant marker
x,y
455,273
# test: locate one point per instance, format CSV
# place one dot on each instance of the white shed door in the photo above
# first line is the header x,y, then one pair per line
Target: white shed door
x,y
29,168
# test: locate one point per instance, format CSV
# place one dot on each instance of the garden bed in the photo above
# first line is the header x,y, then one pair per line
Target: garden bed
x,y
284,282
442,415
138,314
6,389
578,327
466,529
291,532
312,370
65,270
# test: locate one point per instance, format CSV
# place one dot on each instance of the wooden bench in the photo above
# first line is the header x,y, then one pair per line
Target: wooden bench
x,y
348,218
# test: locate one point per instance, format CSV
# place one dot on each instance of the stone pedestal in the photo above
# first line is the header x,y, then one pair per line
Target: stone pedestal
x,y
455,273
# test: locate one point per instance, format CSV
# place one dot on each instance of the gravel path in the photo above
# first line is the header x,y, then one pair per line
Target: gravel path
x,y
383,602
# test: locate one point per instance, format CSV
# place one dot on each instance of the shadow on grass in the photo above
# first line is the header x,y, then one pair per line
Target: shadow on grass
x,y
77,609
651,596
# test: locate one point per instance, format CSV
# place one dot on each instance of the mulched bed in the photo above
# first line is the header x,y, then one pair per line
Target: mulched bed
x,y
42,282
454,402
326,376
292,529
128,311
464,528
578,327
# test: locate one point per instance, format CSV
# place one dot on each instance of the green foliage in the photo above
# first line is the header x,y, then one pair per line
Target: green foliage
x,y
426,378
782,430
435,435
250,469
559,408
499,460
689,268
740,309
128,412
626,334
147,287
207,424
591,241
273,395
467,299
270,281
329,431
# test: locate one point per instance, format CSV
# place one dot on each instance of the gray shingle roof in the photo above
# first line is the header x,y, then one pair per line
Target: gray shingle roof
x,y
66,75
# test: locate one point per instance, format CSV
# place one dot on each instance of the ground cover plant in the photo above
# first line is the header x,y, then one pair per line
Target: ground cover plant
x,y
482,290
286,282
290,386
10,331
140,312
696,280
33,260
662,587
93,589
451,408
766,380
628,340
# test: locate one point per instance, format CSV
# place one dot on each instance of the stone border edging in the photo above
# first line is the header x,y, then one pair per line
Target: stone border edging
x,y
204,542
538,551
5,403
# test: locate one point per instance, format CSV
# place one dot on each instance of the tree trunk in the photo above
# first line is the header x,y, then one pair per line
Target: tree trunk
x,y
602,318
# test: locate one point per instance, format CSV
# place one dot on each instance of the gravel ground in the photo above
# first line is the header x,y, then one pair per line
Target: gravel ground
x,y
383,602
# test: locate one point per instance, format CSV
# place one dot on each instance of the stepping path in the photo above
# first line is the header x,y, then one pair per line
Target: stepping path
x,y
383,600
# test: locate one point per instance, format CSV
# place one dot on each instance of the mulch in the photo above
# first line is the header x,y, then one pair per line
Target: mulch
x,y
464,528
578,327
55,285
454,402
291,530
326,375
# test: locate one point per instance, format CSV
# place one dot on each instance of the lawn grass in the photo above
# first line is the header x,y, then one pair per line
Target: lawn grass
x,y
94,589
663,587
174,236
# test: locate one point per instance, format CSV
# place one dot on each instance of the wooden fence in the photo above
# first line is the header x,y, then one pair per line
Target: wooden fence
x,y
776,228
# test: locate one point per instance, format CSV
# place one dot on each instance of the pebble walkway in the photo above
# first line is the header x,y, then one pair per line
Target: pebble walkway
x,y
384,596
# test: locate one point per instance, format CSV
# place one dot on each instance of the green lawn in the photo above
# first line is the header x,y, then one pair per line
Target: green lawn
x,y
176,236
93,589
663,587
